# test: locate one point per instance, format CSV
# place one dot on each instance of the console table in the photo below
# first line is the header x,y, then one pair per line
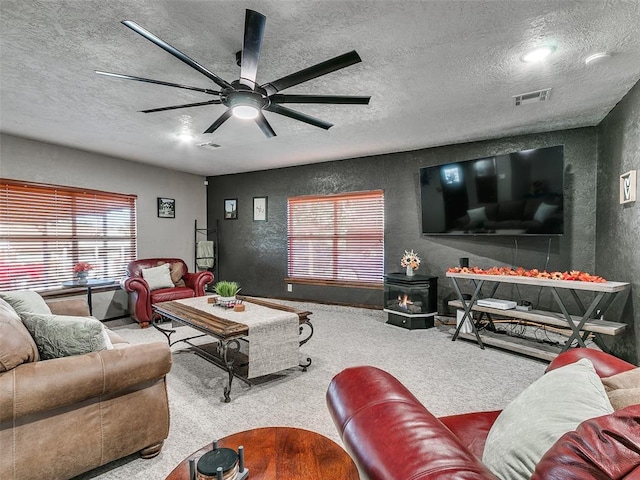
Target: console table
x,y
581,326
88,285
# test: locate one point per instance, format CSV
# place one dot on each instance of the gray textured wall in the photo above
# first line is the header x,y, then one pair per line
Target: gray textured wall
x,y
23,159
255,254
30,160
618,232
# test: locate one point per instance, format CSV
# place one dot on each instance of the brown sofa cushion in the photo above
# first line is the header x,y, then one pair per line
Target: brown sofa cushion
x,y
623,389
16,345
176,270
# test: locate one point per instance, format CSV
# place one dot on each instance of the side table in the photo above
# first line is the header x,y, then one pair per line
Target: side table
x,y
284,453
89,284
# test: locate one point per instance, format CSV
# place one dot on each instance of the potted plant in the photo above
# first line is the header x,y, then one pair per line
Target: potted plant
x,y
226,290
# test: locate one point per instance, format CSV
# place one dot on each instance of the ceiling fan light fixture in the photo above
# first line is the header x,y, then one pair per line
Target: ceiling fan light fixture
x,y
538,54
246,112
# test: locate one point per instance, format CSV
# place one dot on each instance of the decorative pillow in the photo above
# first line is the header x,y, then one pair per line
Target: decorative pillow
x,y
24,301
544,211
62,336
623,389
176,271
477,215
551,406
16,345
158,277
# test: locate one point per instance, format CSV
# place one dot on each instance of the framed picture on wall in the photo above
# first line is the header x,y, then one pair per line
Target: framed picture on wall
x,y
166,207
259,209
628,187
231,209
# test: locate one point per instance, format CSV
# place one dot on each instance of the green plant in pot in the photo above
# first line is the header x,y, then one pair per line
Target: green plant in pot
x,y
227,290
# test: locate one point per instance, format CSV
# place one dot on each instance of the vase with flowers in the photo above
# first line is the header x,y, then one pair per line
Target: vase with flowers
x,y
82,271
411,261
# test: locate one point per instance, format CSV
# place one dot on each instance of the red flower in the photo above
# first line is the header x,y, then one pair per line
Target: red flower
x,y
574,275
82,267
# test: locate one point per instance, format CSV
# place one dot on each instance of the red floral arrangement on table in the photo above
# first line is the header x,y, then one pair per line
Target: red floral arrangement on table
x,y
82,267
575,275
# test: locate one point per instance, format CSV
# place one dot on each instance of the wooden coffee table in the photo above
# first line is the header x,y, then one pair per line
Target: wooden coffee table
x,y
225,353
283,453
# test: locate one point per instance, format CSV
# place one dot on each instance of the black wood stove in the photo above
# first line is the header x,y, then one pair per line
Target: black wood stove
x,y
410,302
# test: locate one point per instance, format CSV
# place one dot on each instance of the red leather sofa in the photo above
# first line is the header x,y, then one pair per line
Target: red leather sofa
x,y
141,297
391,435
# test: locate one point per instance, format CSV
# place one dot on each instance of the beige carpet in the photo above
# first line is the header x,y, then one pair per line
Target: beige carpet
x,y
448,377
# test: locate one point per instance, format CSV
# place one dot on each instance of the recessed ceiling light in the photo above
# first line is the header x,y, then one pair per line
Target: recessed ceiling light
x,y
538,53
597,58
185,137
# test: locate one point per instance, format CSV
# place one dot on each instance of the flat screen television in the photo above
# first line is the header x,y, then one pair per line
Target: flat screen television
x,y
518,193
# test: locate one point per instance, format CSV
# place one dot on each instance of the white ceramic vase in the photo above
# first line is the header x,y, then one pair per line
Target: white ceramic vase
x,y
409,271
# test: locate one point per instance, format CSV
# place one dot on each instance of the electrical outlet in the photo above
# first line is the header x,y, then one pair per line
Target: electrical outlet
x,y
289,287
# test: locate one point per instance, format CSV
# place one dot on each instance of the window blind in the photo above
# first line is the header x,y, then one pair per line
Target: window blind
x,y
337,238
46,229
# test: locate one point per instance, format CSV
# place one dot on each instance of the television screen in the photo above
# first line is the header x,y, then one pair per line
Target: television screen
x,y
519,193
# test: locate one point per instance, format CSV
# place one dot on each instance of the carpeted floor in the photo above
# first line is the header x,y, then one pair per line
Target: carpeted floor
x,y
448,377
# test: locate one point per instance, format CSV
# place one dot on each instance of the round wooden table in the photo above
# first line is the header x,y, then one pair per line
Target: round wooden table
x,y
284,453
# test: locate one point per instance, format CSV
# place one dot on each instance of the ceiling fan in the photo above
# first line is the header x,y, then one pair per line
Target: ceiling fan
x,y
244,98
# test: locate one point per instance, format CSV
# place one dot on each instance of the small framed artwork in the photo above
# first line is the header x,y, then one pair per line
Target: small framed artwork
x,y
259,209
628,187
166,207
231,209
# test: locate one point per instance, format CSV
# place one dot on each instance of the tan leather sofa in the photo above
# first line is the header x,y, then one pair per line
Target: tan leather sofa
x,y
64,416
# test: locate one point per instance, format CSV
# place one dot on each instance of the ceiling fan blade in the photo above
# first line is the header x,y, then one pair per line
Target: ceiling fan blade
x,y
287,112
333,99
158,82
315,71
221,119
175,52
254,23
199,104
265,126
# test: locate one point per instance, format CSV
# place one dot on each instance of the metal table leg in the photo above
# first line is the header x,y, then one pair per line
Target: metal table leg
x,y
467,310
576,329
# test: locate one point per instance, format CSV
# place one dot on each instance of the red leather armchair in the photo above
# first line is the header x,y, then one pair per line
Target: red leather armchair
x,y
391,435
141,297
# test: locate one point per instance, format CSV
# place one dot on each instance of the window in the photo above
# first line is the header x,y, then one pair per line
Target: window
x,y
337,239
45,230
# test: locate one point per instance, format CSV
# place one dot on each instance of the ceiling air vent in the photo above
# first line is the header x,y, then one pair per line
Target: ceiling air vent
x,y
209,145
532,97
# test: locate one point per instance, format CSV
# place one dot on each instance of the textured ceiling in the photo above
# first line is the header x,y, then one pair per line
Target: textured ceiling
x,y
438,72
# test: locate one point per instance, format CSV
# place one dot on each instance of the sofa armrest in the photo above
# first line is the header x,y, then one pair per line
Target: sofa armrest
x,y
471,428
48,384
390,434
198,281
78,307
601,447
605,364
139,298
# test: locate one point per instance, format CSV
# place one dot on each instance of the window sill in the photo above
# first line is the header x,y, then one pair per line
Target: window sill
x,y
335,283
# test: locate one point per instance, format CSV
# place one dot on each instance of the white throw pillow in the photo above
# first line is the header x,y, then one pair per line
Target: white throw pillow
x,y
550,407
158,277
544,211
25,301
477,215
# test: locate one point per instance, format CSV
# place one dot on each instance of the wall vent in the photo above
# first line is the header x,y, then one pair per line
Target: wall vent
x,y
209,145
532,97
